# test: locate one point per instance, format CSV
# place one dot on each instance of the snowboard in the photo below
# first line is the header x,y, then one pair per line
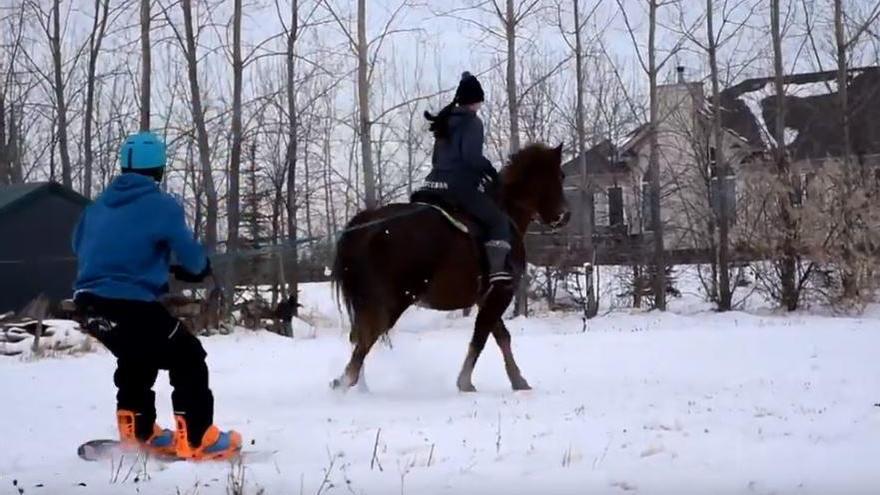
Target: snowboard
x,y
105,449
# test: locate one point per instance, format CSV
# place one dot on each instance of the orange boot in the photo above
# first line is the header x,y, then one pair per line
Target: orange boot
x,y
214,445
161,442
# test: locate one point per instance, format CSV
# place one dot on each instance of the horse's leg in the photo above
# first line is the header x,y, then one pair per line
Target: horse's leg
x,y
502,338
489,314
367,329
478,342
370,324
362,382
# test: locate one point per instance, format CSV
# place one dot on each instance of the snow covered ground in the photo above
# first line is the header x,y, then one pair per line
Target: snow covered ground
x,y
693,402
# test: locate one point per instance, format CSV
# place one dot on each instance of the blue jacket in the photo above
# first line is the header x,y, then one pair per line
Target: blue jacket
x,y
125,239
460,158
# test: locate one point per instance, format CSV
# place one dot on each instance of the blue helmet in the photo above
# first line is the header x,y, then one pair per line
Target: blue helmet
x,y
142,151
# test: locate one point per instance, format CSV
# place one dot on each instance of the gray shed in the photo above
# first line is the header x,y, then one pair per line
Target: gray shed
x,y
36,224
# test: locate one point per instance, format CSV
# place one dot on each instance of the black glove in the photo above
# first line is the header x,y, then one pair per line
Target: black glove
x,y
182,274
491,173
489,180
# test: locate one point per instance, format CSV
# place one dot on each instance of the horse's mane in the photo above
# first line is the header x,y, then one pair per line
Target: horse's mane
x,y
528,156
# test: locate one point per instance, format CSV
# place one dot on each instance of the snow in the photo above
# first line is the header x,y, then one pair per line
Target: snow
x,y
61,336
684,402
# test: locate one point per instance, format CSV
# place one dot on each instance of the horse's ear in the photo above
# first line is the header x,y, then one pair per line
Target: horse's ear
x,y
558,149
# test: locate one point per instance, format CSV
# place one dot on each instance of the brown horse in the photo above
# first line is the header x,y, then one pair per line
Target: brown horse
x,y
402,254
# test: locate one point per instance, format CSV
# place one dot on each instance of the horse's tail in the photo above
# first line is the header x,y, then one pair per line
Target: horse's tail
x,y
350,277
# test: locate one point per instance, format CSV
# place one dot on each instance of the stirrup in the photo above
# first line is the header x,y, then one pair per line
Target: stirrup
x,y
500,277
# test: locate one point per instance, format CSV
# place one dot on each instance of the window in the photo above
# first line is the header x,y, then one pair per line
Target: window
x,y
713,162
600,209
727,192
801,185
646,205
579,206
615,206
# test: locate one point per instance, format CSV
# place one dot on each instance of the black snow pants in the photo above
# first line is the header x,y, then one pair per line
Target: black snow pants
x,y
464,193
145,338
483,209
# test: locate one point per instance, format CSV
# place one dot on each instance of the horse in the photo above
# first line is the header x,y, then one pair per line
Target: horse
x,y
402,254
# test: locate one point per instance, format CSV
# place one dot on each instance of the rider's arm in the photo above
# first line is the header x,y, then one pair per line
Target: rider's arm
x,y
472,147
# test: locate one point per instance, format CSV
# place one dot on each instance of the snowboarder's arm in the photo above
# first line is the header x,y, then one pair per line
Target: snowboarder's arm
x,y
189,253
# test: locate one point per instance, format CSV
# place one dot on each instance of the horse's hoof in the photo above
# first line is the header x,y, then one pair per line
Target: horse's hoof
x,y
523,385
336,384
466,387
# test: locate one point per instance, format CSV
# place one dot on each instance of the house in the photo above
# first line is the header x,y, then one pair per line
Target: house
x,y
36,224
691,182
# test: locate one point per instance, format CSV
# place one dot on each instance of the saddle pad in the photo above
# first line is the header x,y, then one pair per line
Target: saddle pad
x,y
455,223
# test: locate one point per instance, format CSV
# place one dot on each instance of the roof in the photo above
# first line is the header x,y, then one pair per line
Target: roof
x,y
600,160
21,194
812,121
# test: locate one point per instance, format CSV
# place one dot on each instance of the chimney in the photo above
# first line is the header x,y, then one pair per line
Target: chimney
x,y
680,71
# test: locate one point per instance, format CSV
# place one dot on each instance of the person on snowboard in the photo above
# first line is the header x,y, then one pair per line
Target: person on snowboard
x,y
123,243
461,174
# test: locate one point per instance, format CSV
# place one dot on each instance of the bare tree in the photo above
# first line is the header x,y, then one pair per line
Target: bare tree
x,y
849,200
291,155
585,228
724,300
187,42
6,144
146,65
232,196
786,266
364,106
10,48
60,96
367,52
360,48
511,17
50,23
96,38
651,66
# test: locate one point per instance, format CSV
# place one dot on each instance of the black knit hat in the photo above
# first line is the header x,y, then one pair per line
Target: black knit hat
x,y
469,90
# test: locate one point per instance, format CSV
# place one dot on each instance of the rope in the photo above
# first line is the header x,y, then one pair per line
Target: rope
x,y
420,207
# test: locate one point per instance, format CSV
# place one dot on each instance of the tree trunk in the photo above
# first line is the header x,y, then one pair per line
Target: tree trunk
x,y
328,186
842,86
307,174
253,202
60,100
659,262
14,146
521,303
146,65
586,226
198,115
96,37
849,276
512,96
233,204
5,161
363,88
293,264
787,264
233,194
722,172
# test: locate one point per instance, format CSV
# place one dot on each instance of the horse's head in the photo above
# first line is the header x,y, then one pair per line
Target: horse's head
x,y
533,180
